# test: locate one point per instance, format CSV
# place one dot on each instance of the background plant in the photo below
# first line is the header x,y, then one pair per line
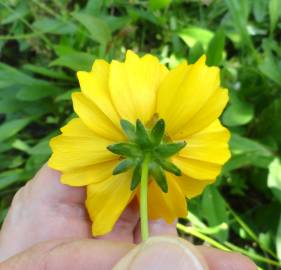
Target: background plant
x,y
43,43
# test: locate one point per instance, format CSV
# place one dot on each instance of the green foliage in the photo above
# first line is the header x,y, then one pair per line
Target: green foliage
x,y
274,178
44,43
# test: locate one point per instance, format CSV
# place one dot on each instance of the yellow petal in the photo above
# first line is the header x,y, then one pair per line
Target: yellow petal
x,y
120,91
94,118
77,147
167,88
197,169
210,145
88,175
94,85
207,114
189,96
169,205
76,128
107,200
133,85
189,186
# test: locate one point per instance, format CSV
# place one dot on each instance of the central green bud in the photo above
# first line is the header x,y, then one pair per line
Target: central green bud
x,y
150,144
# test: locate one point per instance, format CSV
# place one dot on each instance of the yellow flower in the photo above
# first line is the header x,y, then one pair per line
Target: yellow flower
x,y
188,98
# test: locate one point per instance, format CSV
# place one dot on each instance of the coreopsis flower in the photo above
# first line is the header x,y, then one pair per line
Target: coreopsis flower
x,y
137,117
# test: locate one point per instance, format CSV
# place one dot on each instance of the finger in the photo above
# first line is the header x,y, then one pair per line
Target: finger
x,y
161,227
125,226
156,227
221,260
46,186
42,210
63,255
163,253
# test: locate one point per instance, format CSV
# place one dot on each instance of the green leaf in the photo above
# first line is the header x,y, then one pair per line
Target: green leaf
x,y
94,6
129,129
21,145
98,28
75,61
54,26
7,72
157,132
191,35
142,137
20,12
125,149
242,145
66,95
278,239
216,48
274,13
5,146
159,176
10,105
169,166
238,112
274,178
146,15
37,91
123,166
8,178
260,10
136,178
214,210
3,214
195,52
239,11
269,121
12,127
246,152
159,4
41,148
117,22
271,69
167,150
47,72
245,160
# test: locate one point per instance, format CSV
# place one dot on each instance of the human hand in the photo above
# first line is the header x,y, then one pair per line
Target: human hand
x,y
47,227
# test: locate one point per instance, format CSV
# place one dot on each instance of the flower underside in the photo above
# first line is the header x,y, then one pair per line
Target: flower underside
x,y
146,143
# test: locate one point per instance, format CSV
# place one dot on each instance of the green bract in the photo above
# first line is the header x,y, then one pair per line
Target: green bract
x,y
151,143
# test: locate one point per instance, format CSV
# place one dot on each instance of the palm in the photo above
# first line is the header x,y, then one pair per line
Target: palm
x,y
47,210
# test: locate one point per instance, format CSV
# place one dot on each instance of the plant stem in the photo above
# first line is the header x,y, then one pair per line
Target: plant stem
x,y
143,199
226,246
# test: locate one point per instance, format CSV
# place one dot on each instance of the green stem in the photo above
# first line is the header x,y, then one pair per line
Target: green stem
x,y
226,246
143,199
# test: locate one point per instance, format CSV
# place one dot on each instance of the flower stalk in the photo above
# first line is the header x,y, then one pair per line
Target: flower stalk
x,y
143,199
147,152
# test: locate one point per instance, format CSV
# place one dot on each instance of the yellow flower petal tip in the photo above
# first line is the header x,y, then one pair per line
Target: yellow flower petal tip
x,y
131,54
126,109
202,59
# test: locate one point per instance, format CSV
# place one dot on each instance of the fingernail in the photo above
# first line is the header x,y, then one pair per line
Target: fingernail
x,y
163,253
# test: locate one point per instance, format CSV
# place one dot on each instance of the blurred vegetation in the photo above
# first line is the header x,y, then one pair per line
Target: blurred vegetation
x,y
43,44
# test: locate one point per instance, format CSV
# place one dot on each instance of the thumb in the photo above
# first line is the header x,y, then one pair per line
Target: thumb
x,y
67,254
163,253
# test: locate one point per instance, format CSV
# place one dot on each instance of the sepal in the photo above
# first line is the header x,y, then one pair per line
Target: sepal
x,y
157,132
125,149
167,150
129,129
136,178
123,166
159,176
169,166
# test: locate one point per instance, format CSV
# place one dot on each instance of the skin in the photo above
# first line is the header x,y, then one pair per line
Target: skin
x,y
47,227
